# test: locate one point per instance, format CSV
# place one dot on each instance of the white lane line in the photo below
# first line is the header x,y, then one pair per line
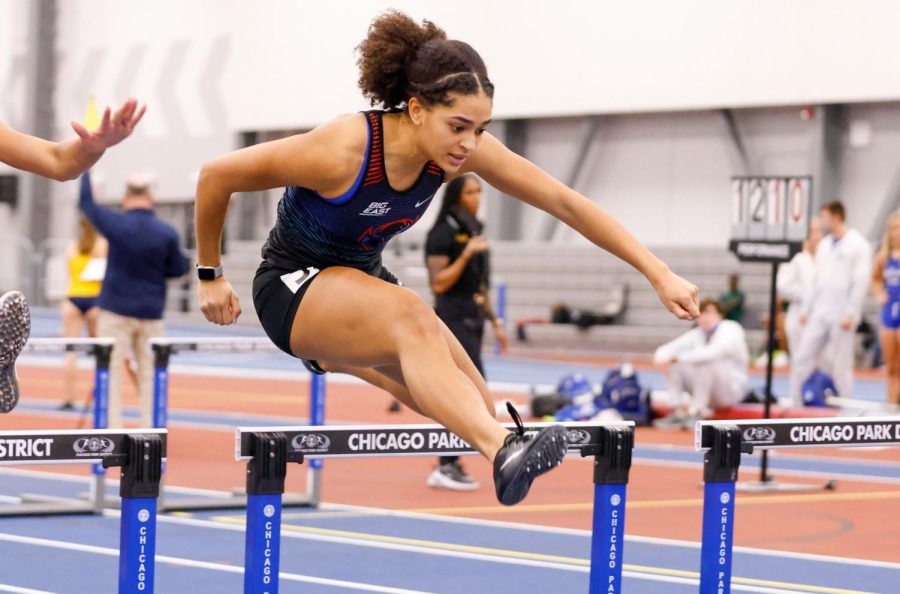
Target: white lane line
x,y
181,562
177,561
17,590
518,526
576,566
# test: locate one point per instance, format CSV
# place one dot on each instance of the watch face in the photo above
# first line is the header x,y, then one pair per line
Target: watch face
x,y
204,273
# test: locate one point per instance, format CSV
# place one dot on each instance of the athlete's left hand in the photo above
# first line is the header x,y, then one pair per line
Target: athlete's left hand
x,y
678,295
114,128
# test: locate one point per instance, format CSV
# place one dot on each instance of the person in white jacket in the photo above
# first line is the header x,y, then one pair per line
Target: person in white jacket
x,y
794,280
832,306
708,362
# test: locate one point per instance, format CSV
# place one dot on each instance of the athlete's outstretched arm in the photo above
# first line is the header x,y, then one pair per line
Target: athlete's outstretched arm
x,y
69,158
322,160
518,177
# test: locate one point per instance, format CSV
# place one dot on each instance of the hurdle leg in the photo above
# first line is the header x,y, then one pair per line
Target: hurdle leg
x,y
612,462
102,354
161,355
316,417
265,487
139,489
720,473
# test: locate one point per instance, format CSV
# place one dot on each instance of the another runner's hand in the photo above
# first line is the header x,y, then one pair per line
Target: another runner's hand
x,y
678,295
218,301
476,245
114,128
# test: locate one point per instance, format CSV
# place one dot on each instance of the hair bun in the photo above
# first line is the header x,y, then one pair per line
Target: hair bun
x,y
387,53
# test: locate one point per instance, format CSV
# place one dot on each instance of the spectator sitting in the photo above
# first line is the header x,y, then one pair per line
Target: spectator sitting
x,y
708,362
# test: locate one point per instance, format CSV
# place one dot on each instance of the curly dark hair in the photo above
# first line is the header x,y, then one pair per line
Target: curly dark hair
x,y
400,59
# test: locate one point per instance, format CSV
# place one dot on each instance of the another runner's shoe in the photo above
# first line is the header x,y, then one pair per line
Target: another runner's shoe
x,y
451,475
524,457
15,325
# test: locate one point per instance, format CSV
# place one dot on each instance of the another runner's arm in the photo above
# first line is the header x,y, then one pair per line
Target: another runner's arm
x,y
518,177
320,159
67,159
57,160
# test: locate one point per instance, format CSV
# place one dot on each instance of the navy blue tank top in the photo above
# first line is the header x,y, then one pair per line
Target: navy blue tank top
x,y
350,230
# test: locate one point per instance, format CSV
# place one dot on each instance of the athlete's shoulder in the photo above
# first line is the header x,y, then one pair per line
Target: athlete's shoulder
x,y
348,132
332,152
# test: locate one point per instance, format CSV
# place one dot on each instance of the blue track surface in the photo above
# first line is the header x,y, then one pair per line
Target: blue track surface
x,y
340,549
388,550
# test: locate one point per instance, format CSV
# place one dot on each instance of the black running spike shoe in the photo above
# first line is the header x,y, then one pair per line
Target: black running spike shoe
x,y
15,326
524,457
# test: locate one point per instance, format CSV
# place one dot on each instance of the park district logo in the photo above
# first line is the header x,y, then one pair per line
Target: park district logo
x,y
759,435
93,446
311,443
577,437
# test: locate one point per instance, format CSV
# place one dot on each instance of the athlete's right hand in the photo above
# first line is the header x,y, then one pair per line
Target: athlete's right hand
x,y
218,301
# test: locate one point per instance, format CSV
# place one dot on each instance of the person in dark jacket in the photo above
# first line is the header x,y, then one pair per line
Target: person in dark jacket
x,y
144,252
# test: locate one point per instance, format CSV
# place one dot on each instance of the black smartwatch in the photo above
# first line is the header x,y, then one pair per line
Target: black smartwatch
x,y
208,273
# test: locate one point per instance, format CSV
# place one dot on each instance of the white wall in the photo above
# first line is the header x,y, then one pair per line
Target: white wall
x,y
14,81
582,56
172,56
291,64
868,171
210,69
13,63
666,176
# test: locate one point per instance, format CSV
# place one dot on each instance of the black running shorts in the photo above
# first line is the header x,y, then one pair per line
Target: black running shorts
x,y
277,293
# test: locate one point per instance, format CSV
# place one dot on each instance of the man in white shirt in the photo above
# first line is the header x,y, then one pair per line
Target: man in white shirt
x,y
708,362
794,280
832,306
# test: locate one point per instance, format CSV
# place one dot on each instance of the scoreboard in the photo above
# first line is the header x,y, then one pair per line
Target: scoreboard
x,y
770,216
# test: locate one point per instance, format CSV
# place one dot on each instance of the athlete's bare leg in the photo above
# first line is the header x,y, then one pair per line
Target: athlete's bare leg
x,y
350,319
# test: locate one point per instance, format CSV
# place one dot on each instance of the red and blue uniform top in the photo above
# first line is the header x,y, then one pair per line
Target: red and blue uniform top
x,y
352,229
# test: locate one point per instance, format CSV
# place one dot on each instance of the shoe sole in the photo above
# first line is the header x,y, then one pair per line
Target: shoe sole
x,y
15,326
546,453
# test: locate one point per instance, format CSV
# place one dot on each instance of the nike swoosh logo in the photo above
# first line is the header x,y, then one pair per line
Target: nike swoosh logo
x,y
418,204
511,458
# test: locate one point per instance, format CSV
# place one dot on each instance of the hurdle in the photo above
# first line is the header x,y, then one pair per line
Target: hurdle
x,y
724,441
139,453
100,349
268,450
163,350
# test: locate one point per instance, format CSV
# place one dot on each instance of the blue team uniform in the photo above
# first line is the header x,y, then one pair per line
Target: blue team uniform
x,y
890,311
